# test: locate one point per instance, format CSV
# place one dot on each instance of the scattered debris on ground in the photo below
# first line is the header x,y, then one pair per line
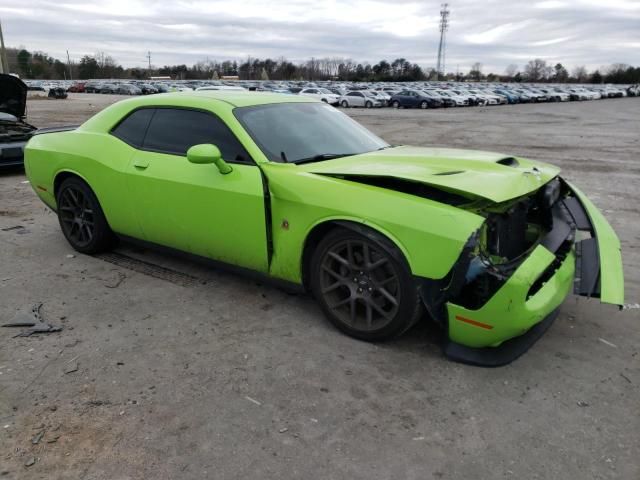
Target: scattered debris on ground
x,y
71,366
607,342
31,318
115,284
37,437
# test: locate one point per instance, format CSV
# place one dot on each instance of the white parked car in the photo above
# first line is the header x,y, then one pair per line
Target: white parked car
x,y
583,94
180,88
321,94
360,98
460,100
384,97
556,95
221,87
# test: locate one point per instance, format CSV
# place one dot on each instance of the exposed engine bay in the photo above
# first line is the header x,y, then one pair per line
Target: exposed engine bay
x,y
509,234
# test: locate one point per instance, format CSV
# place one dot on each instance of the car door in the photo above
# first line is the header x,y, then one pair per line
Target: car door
x,y
412,99
357,99
310,92
402,97
193,207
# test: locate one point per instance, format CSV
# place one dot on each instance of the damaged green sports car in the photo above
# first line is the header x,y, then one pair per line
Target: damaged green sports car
x,y
489,245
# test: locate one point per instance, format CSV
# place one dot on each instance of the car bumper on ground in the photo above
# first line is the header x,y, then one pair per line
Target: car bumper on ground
x,y
525,305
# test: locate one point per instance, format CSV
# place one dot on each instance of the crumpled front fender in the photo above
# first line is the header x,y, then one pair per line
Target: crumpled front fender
x,y
599,260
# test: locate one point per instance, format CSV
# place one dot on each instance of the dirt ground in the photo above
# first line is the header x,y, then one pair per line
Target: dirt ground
x,y
176,371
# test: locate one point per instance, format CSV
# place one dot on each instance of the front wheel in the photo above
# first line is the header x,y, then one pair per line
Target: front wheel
x,y
395,104
423,105
81,218
344,104
368,105
364,285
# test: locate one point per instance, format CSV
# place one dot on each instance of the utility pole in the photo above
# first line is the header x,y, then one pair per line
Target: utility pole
x,y
4,65
444,26
69,66
149,59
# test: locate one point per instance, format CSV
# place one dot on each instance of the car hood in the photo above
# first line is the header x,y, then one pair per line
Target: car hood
x,y
492,176
13,95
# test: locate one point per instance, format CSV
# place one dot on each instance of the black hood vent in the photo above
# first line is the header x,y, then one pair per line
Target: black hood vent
x,y
508,162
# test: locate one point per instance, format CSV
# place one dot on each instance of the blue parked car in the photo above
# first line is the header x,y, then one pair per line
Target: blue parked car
x,y
414,98
511,97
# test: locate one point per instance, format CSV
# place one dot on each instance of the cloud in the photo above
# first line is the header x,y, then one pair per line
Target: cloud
x,y
495,32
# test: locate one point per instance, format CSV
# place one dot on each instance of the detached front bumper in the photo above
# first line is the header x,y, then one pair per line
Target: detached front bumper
x,y
581,254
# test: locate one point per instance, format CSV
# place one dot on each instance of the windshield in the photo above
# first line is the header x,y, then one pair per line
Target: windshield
x,y
296,132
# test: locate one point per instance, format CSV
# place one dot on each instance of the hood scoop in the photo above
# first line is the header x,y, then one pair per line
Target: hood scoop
x,y
509,162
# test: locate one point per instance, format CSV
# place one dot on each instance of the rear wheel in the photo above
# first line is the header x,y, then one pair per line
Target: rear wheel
x,y
364,285
395,104
81,218
424,105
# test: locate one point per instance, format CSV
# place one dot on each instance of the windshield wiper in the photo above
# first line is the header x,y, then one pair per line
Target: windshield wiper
x,y
322,156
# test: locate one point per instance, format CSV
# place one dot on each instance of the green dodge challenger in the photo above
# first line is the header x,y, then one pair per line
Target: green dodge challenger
x,y
489,245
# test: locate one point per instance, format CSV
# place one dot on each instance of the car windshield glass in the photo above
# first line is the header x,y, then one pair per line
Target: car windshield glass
x,y
295,132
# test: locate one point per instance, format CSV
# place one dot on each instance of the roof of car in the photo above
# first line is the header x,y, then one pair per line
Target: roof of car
x,y
238,98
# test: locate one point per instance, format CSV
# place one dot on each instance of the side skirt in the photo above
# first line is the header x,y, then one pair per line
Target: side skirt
x,y
289,287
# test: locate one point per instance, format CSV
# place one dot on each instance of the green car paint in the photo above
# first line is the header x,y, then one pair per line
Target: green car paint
x,y
609,251
451,169
509,313
260,216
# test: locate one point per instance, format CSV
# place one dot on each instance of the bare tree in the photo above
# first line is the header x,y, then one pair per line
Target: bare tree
x,y
580,74
476,71
537,70
511,70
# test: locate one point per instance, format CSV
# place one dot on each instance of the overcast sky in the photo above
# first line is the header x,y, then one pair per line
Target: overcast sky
x,y
494,32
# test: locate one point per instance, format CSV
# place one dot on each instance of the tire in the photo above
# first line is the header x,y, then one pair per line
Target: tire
x,y
424,105
344,104
324,100
368,104
81,218
395,104
363,285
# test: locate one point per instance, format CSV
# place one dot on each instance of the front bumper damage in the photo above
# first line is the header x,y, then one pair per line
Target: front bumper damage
x,y
580,253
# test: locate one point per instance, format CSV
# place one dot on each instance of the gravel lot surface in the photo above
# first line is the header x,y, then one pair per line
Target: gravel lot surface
x,y
169,370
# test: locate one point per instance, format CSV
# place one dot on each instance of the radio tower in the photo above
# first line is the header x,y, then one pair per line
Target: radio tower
x,y
444,26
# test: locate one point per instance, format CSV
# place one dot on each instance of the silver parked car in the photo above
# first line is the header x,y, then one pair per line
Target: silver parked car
x,y
360,99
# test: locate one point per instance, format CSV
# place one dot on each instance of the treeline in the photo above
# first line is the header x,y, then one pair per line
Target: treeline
x,y
539,71
39,65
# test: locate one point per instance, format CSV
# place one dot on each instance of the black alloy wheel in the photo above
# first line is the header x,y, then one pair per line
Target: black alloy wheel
x,y
81,218
364,286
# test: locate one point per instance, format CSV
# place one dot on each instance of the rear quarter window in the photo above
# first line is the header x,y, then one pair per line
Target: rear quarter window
x,y
133,128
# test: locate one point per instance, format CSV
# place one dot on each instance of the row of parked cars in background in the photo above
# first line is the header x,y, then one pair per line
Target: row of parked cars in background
x,y
367,95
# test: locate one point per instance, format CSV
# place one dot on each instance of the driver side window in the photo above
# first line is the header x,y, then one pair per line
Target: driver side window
x,y
174,131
